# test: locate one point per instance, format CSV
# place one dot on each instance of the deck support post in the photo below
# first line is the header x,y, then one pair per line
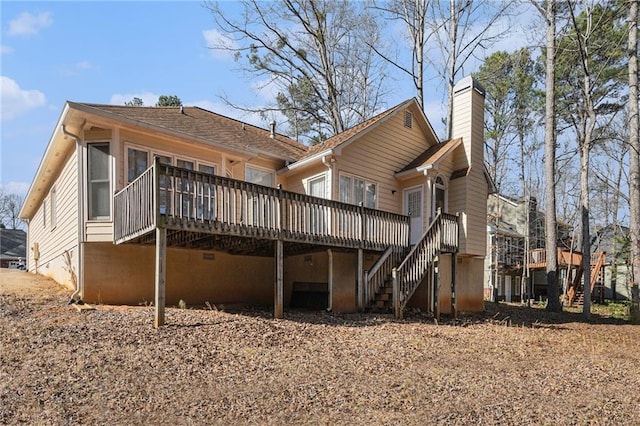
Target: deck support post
x,y
454,262
330,279
160,284
278,309
360,272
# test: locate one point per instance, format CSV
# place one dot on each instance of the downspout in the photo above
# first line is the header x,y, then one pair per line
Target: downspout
x,y
80,277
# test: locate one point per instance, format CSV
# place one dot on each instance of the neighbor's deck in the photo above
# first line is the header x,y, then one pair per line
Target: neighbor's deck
x,y
538,258
205,211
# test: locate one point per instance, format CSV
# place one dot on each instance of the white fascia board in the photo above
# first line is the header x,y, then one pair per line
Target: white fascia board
x,y
306,161
40,170
418,170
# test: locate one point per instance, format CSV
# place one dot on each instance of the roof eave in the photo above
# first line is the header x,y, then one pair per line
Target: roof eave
x,y
305,162
27,212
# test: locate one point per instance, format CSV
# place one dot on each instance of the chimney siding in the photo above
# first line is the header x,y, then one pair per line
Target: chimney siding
x,y
468,124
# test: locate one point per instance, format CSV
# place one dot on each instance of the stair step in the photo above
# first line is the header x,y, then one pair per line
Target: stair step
x,y
383,304
383,296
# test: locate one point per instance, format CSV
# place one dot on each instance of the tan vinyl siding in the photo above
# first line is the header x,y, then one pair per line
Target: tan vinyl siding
x,y
379,154
99,231
294,182
54,242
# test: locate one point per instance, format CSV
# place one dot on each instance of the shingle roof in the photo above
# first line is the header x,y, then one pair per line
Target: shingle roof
x,y
208,126
340,138
433,154
13,243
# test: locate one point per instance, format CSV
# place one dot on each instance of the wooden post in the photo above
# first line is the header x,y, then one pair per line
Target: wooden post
x,y
454,261
397,313
161,261
161,249
330,255
360,267
278,309
435,277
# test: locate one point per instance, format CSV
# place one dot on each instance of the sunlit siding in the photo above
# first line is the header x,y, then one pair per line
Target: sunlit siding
x,y
470,191
57,245
382,152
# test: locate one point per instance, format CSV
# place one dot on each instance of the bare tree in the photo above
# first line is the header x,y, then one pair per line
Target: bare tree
x,y
414,15
10,205
548,12
461,28
589,70
634,148
315,52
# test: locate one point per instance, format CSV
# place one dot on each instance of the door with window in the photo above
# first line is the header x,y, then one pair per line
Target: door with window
x,y
413,209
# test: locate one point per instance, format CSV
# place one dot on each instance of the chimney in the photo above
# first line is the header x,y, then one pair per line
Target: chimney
x,y
272,135
468,120
471,189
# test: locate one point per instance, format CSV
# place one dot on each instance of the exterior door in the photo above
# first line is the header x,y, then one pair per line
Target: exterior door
x,y
413,209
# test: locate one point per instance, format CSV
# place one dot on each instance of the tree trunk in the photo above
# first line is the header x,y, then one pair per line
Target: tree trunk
x,y
453,36
553,295
634,155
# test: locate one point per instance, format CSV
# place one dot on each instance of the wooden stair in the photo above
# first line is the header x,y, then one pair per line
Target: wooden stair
x,y
576,291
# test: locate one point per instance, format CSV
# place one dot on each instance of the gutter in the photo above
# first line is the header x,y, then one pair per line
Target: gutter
x,y
80,277
306,161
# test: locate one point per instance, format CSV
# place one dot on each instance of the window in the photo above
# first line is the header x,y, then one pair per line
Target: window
x,y
99,185
354,190
439,196
317,187
185,187
52,207
137,163
259,176
205,168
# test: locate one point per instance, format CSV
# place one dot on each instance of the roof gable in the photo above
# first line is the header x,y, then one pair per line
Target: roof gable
x,y
341,140
433,155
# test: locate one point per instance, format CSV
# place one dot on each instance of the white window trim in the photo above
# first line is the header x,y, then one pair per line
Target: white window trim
x,y
153,152
86,181
264,169
365,180
307,184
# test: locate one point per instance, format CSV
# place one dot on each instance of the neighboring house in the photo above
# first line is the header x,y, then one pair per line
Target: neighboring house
x,y
507,229
13,252
617,274
134,205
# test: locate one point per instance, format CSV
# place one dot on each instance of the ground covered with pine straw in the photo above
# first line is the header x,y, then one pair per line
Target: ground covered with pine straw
x,y
510,365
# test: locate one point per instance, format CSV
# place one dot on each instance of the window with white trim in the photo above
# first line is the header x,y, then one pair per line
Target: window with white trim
x,y
137,163
259,176
355,190
99,184
317,186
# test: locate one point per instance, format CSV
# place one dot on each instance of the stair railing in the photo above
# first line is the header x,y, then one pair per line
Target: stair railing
x,y
380,272
441,235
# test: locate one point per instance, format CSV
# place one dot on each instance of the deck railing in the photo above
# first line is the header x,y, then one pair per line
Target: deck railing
x,y
134,212
441,236
228,206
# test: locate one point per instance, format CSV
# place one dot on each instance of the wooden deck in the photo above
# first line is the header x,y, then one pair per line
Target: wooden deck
x,y
199,210
538,258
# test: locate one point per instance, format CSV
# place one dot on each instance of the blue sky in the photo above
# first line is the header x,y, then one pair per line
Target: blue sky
x,y
109,52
